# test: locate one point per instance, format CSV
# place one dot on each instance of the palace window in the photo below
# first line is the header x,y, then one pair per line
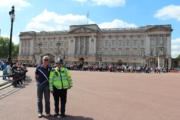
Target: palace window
x,y
99,43
120,53
120,43
165,52
87,52
113,52
106,43
77,43
127,43
106,52
82,52
152,52
113,42
152,42
164,42
157,42
127,51
135,52
62,43
135,43
142,42
82,42
76,52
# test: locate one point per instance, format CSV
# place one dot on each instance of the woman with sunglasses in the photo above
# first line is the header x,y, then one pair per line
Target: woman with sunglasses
x,y
42,76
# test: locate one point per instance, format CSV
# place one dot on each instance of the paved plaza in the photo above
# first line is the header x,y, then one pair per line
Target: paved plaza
x,y
104,96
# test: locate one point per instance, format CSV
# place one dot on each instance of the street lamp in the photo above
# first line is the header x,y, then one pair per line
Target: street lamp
x,y
64,55
143,57
161,56
40,45
12,15
167,63
100,59
58,44
161,49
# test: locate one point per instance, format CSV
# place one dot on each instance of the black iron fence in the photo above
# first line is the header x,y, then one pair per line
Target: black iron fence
x,y
17,77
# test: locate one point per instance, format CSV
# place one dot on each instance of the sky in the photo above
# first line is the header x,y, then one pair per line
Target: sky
x,y
57,15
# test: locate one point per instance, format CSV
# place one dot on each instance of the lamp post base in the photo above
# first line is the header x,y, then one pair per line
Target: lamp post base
x,y
9,59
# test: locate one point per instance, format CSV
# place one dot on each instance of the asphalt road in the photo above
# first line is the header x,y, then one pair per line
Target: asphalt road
x,y
104,96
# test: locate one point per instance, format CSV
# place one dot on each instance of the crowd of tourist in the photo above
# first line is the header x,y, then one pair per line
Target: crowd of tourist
x,y
116,68
12,69
97,67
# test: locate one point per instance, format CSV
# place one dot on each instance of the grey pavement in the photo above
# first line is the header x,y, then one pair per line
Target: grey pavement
x,y
103,96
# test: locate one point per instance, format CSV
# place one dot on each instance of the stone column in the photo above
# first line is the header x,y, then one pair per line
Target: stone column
x,y
31,46
147,45
84,45
79,47
20,46
69,44
95,40
73,46
161,42
169,45
90,50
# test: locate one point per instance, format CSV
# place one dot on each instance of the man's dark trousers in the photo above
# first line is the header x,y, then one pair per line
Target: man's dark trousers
x,y
62,94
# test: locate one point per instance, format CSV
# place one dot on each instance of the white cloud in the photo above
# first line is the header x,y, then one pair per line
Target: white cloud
x,y
7,4
109,3
175,48
168,12
15,39
50,21
80,1
117,24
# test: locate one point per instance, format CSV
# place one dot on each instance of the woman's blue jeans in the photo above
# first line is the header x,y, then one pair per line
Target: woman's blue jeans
x,y
4,73
43,89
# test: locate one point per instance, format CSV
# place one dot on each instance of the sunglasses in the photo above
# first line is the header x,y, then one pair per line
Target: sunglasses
x,y
46,60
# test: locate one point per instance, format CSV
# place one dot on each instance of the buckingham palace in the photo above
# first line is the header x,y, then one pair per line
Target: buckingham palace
x,y
94,45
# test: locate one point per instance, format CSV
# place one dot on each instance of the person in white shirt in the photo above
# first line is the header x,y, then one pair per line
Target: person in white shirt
x,y
9,69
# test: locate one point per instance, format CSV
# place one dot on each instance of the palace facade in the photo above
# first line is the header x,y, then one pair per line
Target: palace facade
x,y
91,44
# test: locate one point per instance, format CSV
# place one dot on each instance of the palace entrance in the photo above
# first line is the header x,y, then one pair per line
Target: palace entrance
x,y
119,62
51,58
152,61
81,59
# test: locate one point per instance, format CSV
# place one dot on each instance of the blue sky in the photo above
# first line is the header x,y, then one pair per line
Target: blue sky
x,y
52,15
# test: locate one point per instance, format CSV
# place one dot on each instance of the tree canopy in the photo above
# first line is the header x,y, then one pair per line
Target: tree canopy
x,y
4,48
178,56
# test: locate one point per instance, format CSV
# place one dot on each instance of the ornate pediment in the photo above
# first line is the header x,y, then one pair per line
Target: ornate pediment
x,y
82,30
26,34
159,28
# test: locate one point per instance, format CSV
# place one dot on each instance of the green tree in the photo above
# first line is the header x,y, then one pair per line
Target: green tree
x,y
178,56
15,50
4,48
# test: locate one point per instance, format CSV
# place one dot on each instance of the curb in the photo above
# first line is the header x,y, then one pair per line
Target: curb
x,y
14,88
5,86
4,83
